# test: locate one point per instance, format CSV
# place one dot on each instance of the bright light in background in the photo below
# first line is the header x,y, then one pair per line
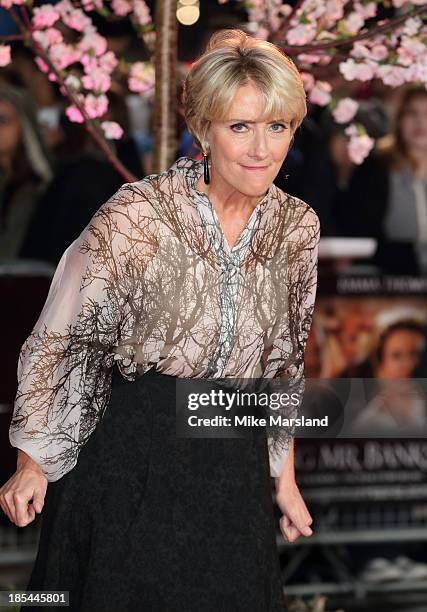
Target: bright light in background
x,y
188,11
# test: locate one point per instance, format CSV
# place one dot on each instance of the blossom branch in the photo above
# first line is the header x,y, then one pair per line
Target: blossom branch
x,y
88,123
26,29
372,32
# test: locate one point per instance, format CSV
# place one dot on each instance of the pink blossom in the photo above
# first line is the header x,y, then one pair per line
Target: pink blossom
x,y
360,50
413,48
399,3
309,58
96,106
285,10
45,16
312,10
366,11
417,72
108,61
41,64
89,62
325,60
345,110
359,147
121,7
47,38
97,80
74,114
141,77
334,10
301,34
7,4
92,41
405,57
262,32
361,71
352,130
412,26
76,20
320,94
141,12
274,23
354,22
5,56
256,15
308,80
112,130
379,52
63,55
73,82
90,5
392,75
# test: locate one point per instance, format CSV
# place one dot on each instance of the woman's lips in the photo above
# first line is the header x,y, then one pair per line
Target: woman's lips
x,y
254,168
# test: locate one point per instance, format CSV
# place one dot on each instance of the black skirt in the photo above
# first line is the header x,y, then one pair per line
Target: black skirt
x,y
147,521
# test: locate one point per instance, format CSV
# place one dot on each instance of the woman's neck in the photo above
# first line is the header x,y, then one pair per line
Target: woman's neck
x,y
226,198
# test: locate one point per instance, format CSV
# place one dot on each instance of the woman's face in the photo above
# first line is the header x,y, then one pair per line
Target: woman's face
x,y
413,124
246,153
401,354
10,128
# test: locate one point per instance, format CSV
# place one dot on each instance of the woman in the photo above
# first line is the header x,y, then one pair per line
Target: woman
x,y
25,168
203,271
346,196
403,156
396,403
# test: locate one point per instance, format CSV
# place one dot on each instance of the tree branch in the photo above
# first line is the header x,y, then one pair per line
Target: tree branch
x,y
88,123
333,44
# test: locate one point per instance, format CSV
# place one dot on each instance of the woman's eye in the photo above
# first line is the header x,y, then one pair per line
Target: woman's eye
x,y
236,127
278,127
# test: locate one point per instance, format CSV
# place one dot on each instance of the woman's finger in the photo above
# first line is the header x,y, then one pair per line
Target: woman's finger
x,y
286,520
5,509
292,533
297,515
38,501
10,506
21,500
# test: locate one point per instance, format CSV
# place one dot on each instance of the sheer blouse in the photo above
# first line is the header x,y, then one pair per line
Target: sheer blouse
x,y
152,282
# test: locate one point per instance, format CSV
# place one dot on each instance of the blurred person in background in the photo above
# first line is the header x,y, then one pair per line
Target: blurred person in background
x,y
74,195
396,404
403,157
25,167
348,197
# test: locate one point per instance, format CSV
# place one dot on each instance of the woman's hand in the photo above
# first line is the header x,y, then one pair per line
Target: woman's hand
x,y
28,482
296,518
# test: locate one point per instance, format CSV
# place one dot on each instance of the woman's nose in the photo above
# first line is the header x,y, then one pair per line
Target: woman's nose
x,y
258,146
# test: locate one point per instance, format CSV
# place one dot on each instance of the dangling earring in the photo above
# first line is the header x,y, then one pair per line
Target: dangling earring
x,y
206,174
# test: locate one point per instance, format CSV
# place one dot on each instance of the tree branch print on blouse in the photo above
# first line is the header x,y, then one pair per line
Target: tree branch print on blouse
x,y
146,285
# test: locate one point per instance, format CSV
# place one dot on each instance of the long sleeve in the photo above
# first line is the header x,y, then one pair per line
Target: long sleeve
x,y
64,375
303,241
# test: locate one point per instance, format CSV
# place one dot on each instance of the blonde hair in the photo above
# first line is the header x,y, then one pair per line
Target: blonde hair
x,y
232,59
